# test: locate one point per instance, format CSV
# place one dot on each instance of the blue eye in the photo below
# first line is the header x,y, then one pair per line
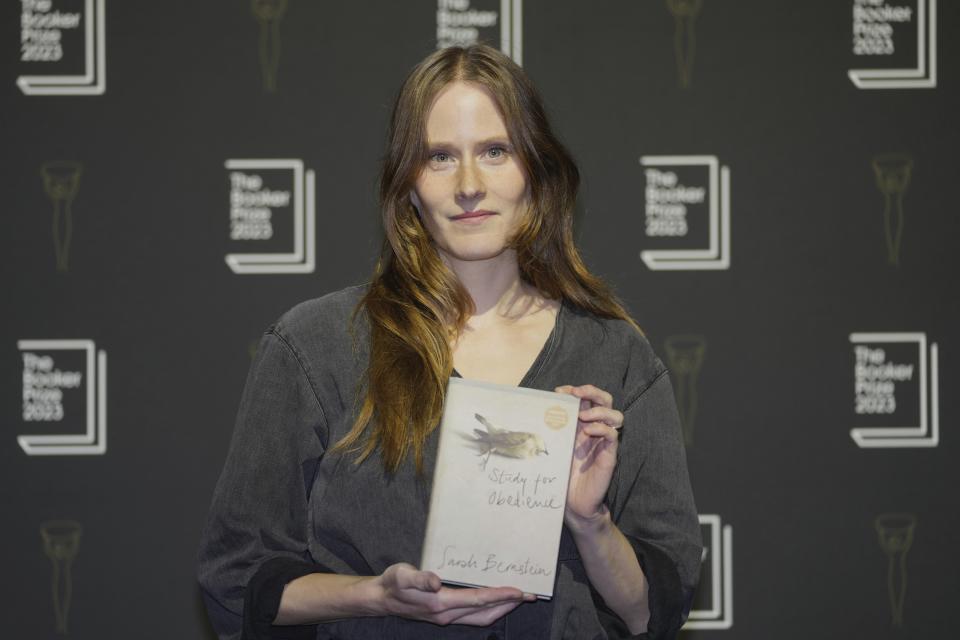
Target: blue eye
x,y
496,152
439,156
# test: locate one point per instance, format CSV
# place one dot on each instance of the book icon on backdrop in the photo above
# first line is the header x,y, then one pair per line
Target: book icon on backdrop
x,y
500,486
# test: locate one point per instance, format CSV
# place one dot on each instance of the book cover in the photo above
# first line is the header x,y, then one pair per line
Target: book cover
x,y
500,486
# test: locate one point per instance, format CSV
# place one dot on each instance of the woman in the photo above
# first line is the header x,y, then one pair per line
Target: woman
x,y
321,507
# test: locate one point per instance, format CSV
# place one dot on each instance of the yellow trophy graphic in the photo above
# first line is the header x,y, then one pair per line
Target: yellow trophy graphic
x,y
685,13
685,355
61,541
893,177
269,13
61,181
895,531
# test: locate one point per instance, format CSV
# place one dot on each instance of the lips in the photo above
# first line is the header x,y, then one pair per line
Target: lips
x,y
473,215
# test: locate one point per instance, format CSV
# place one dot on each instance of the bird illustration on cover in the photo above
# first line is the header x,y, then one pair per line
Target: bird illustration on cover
x,y
512,444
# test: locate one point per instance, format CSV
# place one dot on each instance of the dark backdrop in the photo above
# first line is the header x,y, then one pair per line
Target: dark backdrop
x,y
117,220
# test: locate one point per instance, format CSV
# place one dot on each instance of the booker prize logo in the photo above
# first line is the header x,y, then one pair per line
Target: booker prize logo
x,y
685,14
63,47
268,14
61,543
895,390
895,43
686,213
272,216
65,397
895,534
466,22
713,602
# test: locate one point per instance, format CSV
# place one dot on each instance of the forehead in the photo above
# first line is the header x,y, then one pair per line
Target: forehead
x,y
464,109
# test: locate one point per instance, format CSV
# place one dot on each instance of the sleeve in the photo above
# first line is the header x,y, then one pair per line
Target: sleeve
x,y
651,502
255,538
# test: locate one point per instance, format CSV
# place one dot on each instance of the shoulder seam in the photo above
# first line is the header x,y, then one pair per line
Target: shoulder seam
x,y
296,356
643,390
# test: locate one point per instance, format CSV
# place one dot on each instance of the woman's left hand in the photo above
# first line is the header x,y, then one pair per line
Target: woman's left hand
x,y
594,455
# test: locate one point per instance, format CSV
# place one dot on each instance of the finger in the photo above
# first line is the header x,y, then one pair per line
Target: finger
x,y
453,604
480,617
600,439
402,574
600,430
605,415
592,393
429,581
478,597
409,577
488,616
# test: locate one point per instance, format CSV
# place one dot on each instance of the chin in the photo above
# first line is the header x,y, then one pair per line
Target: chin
x,y
475,252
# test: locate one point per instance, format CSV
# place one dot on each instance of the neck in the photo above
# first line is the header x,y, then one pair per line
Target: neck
x,y
494,285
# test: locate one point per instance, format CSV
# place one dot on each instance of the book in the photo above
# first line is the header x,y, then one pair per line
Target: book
x,y
500,486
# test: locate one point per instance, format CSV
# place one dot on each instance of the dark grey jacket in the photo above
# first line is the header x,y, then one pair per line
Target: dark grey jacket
x,y
282,508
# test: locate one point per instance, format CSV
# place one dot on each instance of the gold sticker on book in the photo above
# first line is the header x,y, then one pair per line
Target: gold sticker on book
x,y
555,417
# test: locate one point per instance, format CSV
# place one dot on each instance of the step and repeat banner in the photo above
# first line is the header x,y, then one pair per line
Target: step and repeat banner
x,y
770,185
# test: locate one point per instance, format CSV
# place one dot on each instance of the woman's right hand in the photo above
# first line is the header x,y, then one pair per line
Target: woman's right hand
x,y
410,593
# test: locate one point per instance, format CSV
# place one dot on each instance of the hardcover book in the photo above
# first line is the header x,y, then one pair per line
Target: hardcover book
x,y
500,486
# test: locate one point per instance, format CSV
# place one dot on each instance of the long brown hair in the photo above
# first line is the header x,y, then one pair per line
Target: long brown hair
x,y
415,304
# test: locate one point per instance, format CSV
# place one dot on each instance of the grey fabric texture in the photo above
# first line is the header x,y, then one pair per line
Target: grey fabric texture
x,y
281,502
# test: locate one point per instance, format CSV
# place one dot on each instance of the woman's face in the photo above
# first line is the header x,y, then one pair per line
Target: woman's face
x,y
471,192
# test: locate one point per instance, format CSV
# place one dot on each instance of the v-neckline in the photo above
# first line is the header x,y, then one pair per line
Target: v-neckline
x,y
545,351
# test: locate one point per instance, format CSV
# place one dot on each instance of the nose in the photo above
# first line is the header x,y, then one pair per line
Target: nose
x,y
469,182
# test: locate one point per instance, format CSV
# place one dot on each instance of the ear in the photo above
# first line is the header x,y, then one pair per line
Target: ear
x,y
415,200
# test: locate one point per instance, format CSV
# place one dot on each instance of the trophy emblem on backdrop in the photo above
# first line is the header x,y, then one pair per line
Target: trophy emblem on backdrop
x,y
61,542
269,13
892,171
460,23
895,533
54,394
890,384
41,42
882,31
685,354
713,602
685,14
61,181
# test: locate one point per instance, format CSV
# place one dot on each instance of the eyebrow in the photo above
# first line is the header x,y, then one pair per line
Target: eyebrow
x,y
442,144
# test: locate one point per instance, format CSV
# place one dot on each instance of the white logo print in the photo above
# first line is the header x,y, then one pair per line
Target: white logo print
x,y
675,209
462,24
255,209
889,383
51,395
715,611
877,26
41,42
